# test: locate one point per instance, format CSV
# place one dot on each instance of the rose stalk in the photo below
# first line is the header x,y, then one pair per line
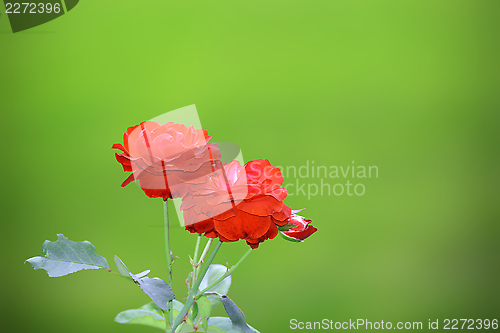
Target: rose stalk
x,y
192,293
169,256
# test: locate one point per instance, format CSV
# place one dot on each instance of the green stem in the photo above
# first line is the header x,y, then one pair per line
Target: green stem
x,y
195,259
169,255
191,298
203,255
229,272
167,243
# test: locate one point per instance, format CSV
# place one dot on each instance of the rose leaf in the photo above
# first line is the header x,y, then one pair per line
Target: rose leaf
x,y
158,290
142,317
235,314
149,314
214,272
64,256
204,309
226,325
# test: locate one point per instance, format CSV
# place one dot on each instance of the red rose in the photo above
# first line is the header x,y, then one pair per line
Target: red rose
x,y
263,178
163,158
302,229
238,202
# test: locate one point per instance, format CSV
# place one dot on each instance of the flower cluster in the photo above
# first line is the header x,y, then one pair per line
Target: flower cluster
x,y
228,201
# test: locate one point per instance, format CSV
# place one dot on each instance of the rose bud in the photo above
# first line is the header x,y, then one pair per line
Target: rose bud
x,y
297,228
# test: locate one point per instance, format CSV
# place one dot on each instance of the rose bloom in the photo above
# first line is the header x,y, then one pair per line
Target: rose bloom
x,y
302,228
163,158
238,202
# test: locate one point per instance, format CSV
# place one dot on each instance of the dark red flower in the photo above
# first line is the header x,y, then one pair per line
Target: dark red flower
x,y
302,228
238,202
163,158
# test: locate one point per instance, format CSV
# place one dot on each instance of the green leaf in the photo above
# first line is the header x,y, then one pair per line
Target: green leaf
x,y
213,329
193,313
149,314
151,306
158,290
204,309
185,328
214,272
141,274
235,314
290,239
142,317
122,268
226,325
210,329
64,256
287,227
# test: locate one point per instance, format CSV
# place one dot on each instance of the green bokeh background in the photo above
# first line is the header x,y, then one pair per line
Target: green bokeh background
x,y
409,86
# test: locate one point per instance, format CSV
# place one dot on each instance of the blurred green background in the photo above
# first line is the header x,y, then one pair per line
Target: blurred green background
x,y
409,86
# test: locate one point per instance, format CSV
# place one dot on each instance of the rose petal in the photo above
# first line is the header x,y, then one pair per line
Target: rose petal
x,y
129,179
125,162
309,230
119,146
261,206
229,229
